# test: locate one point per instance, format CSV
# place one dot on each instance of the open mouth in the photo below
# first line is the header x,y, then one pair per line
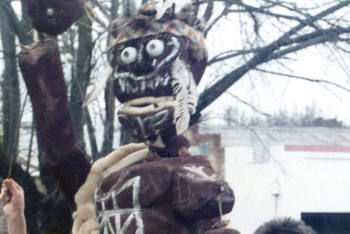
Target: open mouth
x,y
127,88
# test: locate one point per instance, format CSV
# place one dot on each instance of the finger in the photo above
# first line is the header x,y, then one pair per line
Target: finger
x,y
4,190
4,184
17,187
10,185
13,186
120,153
2,194
5,196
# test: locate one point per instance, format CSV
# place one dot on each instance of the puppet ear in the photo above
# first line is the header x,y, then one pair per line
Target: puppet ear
x,y
188,15
167,9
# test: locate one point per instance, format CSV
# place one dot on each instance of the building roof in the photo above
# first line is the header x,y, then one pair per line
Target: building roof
x,y
279,136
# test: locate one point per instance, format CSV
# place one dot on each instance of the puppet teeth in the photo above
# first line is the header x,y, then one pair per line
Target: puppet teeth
x,y
143,86
127,86
150,84
157,81
135,90
166,81
122,84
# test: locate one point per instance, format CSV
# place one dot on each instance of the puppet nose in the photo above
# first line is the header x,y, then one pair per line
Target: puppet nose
x,y
142,67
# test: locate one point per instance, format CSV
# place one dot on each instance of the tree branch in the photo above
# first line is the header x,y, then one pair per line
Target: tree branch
x,y
249,8
265,54
249,105
223,13
102,9
15,24
304,78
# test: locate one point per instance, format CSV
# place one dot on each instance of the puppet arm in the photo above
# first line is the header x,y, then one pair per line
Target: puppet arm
x,y
198,194
42,72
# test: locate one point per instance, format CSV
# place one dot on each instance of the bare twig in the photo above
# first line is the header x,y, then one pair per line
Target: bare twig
x,y
266,54
102,9
16,25
249,105
223,13
229,54
13,150
30,147
304,78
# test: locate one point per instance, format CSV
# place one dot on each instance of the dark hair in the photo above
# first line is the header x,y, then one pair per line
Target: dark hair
x,y
284,226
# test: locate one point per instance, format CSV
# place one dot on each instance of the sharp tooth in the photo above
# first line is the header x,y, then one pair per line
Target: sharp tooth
x,y
150,84
127,86
121,82
143,86
165,81
157,81
135,87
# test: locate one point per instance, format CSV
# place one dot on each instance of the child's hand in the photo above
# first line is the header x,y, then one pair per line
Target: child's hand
x,y
12,197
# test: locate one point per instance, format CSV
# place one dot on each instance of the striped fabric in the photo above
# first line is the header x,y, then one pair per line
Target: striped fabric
x,y
175,26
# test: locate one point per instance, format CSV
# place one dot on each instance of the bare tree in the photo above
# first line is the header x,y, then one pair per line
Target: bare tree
x,y
270,32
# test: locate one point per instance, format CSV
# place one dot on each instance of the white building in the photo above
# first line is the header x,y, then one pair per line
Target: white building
x,y
297,172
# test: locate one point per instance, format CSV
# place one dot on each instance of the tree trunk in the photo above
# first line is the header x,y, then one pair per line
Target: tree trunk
x,y
81,79
109,121
10,85
108,135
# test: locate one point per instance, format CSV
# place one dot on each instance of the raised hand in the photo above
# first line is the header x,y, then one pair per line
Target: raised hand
x,y
12,197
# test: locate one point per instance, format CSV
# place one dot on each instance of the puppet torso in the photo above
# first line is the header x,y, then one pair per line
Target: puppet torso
x,y
167,195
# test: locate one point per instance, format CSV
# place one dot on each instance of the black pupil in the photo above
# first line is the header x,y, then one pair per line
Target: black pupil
x,y
153,46
126,53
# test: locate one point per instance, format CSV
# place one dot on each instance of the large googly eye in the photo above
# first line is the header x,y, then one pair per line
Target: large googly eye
x,y
129,55
155,47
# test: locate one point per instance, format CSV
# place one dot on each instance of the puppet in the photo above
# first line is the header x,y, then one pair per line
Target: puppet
x,y
156,62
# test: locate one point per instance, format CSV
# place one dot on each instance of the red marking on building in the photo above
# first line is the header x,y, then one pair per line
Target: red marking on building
x,y
317,148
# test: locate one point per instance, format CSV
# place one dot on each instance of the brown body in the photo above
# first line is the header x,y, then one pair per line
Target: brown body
x,y
163,195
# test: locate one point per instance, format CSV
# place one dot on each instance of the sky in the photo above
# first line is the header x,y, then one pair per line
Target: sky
x,y
270,93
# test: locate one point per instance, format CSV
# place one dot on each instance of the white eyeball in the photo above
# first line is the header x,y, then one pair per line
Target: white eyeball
x,y
129,55
155,47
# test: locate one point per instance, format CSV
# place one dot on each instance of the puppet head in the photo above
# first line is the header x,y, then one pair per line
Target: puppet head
x,y
157,64
53,17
